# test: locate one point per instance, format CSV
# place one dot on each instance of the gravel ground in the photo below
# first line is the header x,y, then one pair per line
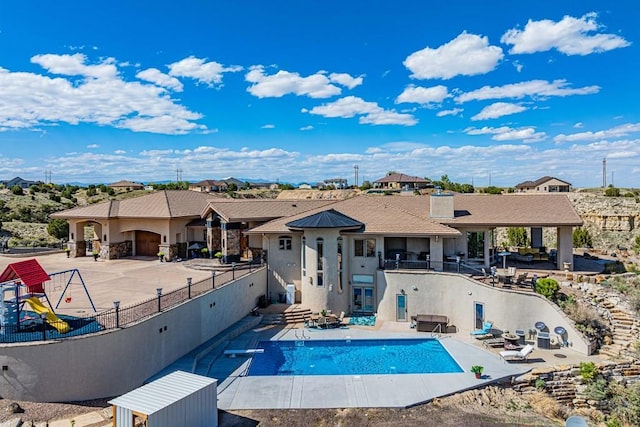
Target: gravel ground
x,y
39,412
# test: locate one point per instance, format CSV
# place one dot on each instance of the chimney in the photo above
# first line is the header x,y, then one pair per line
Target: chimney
x,y
441,205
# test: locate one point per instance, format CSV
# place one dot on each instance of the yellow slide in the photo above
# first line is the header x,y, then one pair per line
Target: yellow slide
x,y
37,306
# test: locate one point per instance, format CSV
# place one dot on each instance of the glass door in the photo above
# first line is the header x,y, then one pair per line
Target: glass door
x,y
401,308
479,315
357,299
368,300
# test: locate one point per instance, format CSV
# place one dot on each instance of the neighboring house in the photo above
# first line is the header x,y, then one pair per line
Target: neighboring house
x,y
546,184
165,221
22,183
305,186
209,186
400,181
337,183
126,185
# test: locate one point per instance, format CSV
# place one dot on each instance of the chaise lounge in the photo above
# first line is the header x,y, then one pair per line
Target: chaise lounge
x,y
513,355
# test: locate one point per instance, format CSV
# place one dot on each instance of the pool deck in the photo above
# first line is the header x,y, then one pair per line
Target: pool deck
x,y
236,391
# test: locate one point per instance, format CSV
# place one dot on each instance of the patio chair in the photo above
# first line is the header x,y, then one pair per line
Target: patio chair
x,y
522,279
512,355
486,329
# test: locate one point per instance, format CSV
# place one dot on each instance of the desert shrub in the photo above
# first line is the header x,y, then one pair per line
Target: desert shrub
x,y
624,403
612,192
540,384
586,318
597,390
588,370
17,190
517,236
636,245
548,288
582,238
493,190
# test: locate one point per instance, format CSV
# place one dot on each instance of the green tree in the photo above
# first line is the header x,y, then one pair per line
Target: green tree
x,y
365,185
285,186
58,228
517,236
581,238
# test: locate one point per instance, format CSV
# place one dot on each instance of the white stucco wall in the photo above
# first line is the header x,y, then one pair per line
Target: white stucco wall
x,y
114,362
454,296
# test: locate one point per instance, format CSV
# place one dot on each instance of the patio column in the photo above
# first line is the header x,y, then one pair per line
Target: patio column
x,y
436,250
565,247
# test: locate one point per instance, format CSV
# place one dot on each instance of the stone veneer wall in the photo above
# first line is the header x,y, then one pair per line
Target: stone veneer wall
x,y
119,250
78,248
564,383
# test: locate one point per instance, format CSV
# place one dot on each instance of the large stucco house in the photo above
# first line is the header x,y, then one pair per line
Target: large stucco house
x,y
332,252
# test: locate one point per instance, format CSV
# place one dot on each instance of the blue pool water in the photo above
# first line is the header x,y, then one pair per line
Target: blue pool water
x,y
352,357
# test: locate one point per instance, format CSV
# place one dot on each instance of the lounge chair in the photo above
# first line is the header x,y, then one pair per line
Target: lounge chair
x,y
523,354
486,329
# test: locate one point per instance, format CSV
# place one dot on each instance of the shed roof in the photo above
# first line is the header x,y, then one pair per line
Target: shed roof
x,y
163,392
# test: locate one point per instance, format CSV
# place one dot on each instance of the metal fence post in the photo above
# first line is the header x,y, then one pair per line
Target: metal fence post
x,y
189,287
233,271
43,316
159,292
116,305
213,279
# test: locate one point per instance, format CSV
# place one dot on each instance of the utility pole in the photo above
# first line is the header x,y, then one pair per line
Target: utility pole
x,y
604,173
47,177
178,175
355,169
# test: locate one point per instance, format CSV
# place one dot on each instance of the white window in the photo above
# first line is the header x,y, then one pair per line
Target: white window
x,y
364,247
284,243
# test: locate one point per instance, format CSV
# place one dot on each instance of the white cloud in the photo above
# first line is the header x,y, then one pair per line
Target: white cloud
x,y
369,112
569,36
505,133
209,73
283,83
99,96
467,55
615,132
452,112
91,146
531,88
159,78
346,80
578,125
518,66
423,95
120,152
498,109
305,128
74,65
269,126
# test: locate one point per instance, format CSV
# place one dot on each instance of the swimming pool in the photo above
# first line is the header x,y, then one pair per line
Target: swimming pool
x,y
352,357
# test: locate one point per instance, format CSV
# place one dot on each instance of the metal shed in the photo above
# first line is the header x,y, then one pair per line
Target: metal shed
x,y
177,399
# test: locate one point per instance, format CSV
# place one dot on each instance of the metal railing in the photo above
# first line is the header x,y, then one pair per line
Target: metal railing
x,y
38,329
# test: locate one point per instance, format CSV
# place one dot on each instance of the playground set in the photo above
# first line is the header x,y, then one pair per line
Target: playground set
x,y
23,284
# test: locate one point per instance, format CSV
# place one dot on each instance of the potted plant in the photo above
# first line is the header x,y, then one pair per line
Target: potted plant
x,y
477,369
161,256
68,251
95,254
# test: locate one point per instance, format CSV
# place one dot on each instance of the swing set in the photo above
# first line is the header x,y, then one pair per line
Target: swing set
x,y
66,292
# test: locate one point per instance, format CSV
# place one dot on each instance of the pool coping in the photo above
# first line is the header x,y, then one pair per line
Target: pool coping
x,y
356,391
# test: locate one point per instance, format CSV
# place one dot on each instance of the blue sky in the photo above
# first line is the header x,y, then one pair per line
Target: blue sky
x,y
486,92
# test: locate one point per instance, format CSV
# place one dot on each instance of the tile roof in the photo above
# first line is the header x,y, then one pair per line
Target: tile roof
x,y
238,210
161,204
409,215
325,219
379,217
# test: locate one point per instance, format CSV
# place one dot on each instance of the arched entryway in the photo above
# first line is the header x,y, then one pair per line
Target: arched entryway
x,y
147,243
